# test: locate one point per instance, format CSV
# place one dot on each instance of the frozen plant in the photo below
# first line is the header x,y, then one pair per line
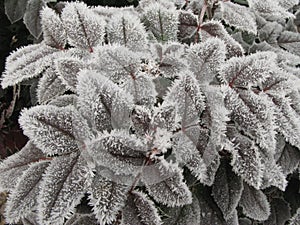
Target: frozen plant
x,y
174,112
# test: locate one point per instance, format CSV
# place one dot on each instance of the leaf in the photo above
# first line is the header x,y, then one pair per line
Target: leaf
x,y
84,28
238,16
185,215
296,218
254,203
270,10
187,27
63,187
161,21
126,29
64,100
32,18
288,159
68,69
140,210
188,155
280,212
227,190
23,198
273,175
102,102
12,168
249,70
107,198
216,29
15,9
289,41
118,151
164,116
270,32
118,63
246,159
210,213
54,33
55,130
189,99
26,63
164,182
204,59
142,88
170,58
82,219
287,4
50,86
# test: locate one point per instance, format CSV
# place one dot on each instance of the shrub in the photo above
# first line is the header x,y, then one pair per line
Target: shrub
x,y
172,112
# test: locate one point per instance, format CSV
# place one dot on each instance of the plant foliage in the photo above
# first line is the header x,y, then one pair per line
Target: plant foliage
x,y
173,112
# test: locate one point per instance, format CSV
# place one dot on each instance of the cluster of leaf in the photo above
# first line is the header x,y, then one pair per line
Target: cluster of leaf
x,y
152,116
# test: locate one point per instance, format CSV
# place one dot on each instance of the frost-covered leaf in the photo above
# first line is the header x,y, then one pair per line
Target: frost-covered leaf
x,y
164,116
23,199
62,188
238,16
107,198
187,27
68,69
64,100
255,115
12,168
270,32
164,182
246,159
50,86
216,29
287,4
27,62
227,190
288,158
140,210
55,130
54,33
296,218
126,29
248,70
185,215
170,58
289,41
161,21
189,99
273,175
32,18
122,153
269,9
204,59
117,62
188,155
102,102
15,9
84,28
280,212
82,219
142,88
254,203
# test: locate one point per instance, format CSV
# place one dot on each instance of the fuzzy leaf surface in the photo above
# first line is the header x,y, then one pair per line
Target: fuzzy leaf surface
x,y
84,28
12,168
254,203
63,186
24,197
140,210
227,190
102,102
27,62
55,130
15,9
